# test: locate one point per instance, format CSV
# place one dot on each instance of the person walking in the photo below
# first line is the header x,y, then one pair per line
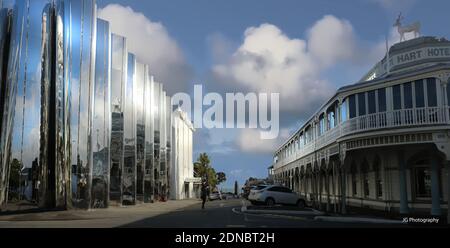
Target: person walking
x,y
204,193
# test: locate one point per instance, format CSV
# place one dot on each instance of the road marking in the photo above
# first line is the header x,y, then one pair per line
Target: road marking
x,y
235,226
234,210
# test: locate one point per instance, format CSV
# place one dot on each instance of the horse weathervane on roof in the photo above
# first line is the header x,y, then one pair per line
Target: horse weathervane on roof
x,y
402,30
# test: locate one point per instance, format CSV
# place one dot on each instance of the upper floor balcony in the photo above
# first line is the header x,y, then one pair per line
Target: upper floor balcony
x,y
419,104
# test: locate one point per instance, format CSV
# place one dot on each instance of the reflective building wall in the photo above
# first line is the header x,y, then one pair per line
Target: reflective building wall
x,y
119,60
157,139
168,127
79,60
140,112
149,176
77,111
129,160
101,126
25,139
5,22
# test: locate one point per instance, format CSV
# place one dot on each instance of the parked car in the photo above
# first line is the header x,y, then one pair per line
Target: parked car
x,y
215,196
273,194
229,195
247,191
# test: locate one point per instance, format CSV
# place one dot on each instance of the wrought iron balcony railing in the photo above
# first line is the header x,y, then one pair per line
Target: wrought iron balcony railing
x,y
404,118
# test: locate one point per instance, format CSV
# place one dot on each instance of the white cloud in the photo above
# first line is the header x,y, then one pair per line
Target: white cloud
x,y
152,44
249,140
269,61
331,40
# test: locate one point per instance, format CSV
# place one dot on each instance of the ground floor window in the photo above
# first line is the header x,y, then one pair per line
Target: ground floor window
x,y
422,181
354,180
366,184
378,180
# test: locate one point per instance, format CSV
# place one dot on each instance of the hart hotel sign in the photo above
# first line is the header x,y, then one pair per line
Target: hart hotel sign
x,y
408,54
422,54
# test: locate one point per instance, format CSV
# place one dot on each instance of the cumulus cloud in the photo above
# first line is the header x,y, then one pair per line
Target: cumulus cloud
x,y
250,141
152,44
331,40
269,61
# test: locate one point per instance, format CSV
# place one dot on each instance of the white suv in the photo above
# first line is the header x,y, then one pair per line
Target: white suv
x,y
271,195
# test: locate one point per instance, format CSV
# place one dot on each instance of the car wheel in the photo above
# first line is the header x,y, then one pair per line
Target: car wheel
x,y
301,204
270,202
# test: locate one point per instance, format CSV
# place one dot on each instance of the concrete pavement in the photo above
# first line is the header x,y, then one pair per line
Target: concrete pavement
x,y
96,218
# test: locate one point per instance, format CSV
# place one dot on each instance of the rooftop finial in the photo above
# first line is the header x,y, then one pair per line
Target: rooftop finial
x,y
402,30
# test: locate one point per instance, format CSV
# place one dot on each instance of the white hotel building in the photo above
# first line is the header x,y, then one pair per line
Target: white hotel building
x,y
382,143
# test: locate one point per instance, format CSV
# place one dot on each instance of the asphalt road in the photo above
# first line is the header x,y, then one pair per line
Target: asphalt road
x,y
226,214
174,214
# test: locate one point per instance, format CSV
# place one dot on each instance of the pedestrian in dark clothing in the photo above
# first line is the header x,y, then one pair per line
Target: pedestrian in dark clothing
x,y
204,193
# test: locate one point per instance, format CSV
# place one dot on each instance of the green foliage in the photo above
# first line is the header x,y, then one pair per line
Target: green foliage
x,y
14,176
203,169
221,177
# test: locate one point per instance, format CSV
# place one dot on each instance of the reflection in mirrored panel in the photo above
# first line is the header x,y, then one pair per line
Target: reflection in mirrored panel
x,y
58,128
139,108
129,160
119,59
5,22
157,129
101,119
149,139
24,139
162,187
79,37
168,114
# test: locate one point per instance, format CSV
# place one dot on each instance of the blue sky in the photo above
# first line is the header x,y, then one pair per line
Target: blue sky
x,y
206,34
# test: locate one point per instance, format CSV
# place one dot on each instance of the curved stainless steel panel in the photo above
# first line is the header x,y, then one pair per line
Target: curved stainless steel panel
x,y
5,22
102,118
79,43
149,140
129,160
140,111
119,61
24,138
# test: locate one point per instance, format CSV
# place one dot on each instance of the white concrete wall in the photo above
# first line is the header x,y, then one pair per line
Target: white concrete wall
x,y
182,167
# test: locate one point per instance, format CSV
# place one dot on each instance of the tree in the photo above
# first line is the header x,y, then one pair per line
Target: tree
x,y
221,177
200,167
203,169
14,179
236,188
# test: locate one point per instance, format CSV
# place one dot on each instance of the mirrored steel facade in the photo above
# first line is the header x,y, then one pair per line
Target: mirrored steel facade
x,y
5,28
79,60
149,170
129,160
78,112
101,126
168,132
25,138
119,59
139,108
